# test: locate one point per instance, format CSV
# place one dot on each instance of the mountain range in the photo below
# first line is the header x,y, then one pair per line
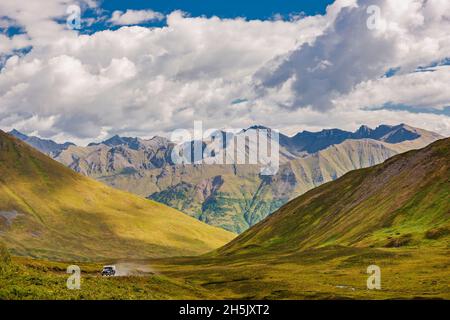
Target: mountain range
x,y
49,147
235,197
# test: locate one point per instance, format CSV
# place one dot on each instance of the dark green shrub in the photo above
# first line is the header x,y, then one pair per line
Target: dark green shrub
x,y
437,233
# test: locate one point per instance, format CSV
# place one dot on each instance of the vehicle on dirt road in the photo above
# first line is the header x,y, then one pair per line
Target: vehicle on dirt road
x,y
109,271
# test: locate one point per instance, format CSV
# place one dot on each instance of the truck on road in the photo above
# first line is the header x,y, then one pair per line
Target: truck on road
x,y
109,271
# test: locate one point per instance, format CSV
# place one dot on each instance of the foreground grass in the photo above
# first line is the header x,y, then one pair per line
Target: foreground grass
x,y
31,279
327,273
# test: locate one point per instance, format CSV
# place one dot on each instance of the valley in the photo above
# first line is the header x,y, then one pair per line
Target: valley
x,y
395,215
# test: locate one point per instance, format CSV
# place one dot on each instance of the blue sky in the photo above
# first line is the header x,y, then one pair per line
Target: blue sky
x,y
250,10
261,9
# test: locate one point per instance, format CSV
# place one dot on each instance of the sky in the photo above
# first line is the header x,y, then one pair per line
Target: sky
x,y
86,70
250,9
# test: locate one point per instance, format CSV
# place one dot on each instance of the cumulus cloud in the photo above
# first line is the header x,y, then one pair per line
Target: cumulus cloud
x,y
131,17
427,89
144,80
39,18
10,44
227,72
408,34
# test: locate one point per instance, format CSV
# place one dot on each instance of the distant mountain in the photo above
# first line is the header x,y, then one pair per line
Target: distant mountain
x,y
118,155
401,202
132,143
49,211
306,142
48,147
236,197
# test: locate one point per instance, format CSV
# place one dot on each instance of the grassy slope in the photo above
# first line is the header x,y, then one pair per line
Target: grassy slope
x,y
63,215
403,201
395,215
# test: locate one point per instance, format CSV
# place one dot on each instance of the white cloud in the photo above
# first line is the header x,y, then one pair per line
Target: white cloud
x,y
9,44
37,18
421,90
414,33
145,81
131,17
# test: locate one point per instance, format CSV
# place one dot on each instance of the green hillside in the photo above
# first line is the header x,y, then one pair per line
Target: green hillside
x,y
401,202
395,215
48,211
